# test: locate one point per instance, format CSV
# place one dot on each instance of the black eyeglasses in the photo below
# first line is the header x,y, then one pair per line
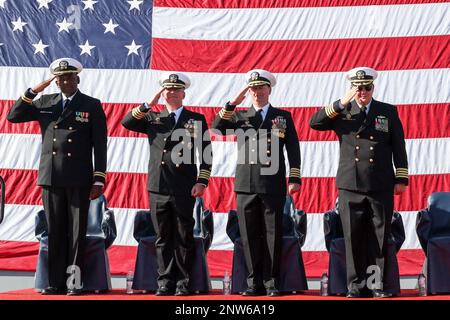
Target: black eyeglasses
x,y
366,87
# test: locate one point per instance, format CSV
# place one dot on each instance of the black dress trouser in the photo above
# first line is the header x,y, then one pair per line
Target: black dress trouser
x,y
260,219
173,220
366,223
66,211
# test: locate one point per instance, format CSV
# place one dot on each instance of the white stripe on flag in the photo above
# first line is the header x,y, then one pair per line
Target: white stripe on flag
x,y
319,159
301,23
215,89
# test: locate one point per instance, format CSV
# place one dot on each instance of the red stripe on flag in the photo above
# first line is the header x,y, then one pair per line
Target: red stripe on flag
x,y
416,121
291,56
22,256
318,196
235,4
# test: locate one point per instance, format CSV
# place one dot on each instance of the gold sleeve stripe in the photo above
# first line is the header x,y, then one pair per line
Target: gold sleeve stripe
x,y
137,114
225,114
27,100
100,174
294,173
401,173
205,174
329,110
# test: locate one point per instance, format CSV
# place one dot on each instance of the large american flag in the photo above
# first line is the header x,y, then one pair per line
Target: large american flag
x,y
308,45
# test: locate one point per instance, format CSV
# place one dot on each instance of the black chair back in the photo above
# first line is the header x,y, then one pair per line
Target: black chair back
x,y
40,225
439,208
233,226
204,223
397,230
332,228
143,226
434,221
101,223
294,222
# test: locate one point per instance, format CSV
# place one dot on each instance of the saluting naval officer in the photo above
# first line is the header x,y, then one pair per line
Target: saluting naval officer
x,y
371,143
260,181
73,125
174,135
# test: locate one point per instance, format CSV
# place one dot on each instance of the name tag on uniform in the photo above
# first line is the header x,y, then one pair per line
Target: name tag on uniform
x,y
50,112
82,116
381,124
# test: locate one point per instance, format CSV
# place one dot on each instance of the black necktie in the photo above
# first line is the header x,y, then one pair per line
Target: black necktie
x,y
66,104
363,112
258,118
171,120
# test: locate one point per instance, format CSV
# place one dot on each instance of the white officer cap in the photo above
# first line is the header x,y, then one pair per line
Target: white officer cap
x,y
362,76
258,77
174,80
65,65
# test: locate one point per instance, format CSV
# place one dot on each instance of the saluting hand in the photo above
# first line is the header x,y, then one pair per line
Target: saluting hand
x,y
44,84
154,100
240,97
349,96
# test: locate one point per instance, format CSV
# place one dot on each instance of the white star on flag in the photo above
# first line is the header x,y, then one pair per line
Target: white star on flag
x,y
43,3
64,25
86,48
133,48
110,26
89,4
2,3
39,47
19,24
134,4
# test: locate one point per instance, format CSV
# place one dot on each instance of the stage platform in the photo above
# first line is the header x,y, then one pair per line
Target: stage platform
x,y
120,294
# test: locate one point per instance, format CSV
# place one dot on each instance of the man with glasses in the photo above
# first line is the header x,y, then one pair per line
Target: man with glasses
x,y
371,141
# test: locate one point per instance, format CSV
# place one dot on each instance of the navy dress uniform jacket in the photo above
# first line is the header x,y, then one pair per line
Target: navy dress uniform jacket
x,y
68,138
368,145
278,124
164,175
